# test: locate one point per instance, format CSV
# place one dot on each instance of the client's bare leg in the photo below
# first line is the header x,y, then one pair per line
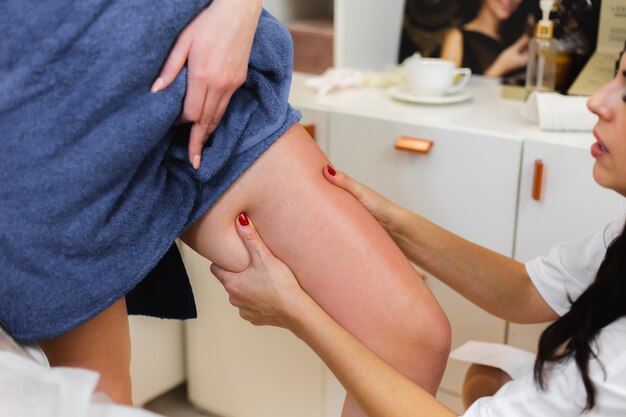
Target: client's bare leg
x,y
102,344
339,253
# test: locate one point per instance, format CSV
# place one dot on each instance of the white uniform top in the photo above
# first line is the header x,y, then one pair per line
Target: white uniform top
x,y
562,275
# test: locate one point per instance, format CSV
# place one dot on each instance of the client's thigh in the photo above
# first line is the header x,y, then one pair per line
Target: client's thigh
x,y
340,254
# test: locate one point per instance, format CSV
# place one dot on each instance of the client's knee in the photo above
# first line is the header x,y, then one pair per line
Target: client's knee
x,y
436,336
430,327
436,339
427,332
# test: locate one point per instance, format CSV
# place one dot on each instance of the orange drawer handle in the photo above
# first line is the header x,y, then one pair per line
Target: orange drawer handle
x,y
413,144
310,129
537,180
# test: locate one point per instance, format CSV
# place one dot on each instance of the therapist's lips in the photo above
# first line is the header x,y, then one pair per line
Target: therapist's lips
x,y
598,149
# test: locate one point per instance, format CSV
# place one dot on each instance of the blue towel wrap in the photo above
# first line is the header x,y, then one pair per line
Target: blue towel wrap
x,y
95,184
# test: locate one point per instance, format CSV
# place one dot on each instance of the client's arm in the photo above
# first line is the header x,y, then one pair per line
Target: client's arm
x,y
494,282
268,294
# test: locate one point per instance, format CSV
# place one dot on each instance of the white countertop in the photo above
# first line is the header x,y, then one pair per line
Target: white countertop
x,y
487,112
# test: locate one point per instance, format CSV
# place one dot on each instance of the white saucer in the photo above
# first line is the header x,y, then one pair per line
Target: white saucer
x,y
401,92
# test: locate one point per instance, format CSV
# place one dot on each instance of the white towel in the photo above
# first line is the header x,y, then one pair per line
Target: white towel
x,y
514,361
557,112
28,389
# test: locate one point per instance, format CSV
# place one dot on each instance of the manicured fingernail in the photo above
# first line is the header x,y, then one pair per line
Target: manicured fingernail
x,y
156,87
331,170
196,162
243,219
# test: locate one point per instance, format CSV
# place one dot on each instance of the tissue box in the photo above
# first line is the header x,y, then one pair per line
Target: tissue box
x,y
312,45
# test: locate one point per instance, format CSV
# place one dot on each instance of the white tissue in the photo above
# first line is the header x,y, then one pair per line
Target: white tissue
x,y
28,389
515,362
336,79
553,111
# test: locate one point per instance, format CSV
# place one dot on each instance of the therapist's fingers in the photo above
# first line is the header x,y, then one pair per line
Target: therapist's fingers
x,y
369,198
221,274
258,251
266,292
344,181
383,210
253,317
260,255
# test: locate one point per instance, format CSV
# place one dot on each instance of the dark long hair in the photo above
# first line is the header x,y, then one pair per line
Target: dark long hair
x,y
572,336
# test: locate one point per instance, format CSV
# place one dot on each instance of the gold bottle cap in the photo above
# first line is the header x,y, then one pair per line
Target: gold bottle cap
x,y
544,29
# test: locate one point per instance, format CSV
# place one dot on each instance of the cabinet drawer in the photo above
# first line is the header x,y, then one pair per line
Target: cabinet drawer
x,y
557,204
466,182
570,204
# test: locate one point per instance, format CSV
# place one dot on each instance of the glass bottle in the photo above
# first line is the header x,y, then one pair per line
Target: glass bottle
x,y
542,54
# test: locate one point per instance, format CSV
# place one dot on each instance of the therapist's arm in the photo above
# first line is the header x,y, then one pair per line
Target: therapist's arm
x,y
496,283
267,293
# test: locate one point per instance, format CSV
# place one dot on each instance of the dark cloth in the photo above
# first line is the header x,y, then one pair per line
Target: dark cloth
x,y
165,292
95,182
479,51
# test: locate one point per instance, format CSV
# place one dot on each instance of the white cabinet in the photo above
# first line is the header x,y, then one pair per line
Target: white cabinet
x,y
570,205
157,357
458,184
238,370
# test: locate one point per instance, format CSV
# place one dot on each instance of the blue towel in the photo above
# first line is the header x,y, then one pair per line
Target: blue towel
x,y
95,182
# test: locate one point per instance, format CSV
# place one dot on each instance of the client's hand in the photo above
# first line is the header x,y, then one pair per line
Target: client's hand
x,y
266,293
384,211
216,45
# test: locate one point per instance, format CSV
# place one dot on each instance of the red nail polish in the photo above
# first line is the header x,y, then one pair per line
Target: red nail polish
x,y
331,170
243,219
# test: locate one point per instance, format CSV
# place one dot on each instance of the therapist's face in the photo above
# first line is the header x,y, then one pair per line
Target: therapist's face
x,y
609,150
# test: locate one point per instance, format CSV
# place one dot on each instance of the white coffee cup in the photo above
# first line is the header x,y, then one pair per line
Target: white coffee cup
x,y
435,77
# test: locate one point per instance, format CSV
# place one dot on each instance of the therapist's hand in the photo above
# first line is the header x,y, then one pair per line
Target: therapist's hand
x,y
266,293
388,214
216,45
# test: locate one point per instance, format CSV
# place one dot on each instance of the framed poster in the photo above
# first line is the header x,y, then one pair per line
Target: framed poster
x,y
480,33
611,40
